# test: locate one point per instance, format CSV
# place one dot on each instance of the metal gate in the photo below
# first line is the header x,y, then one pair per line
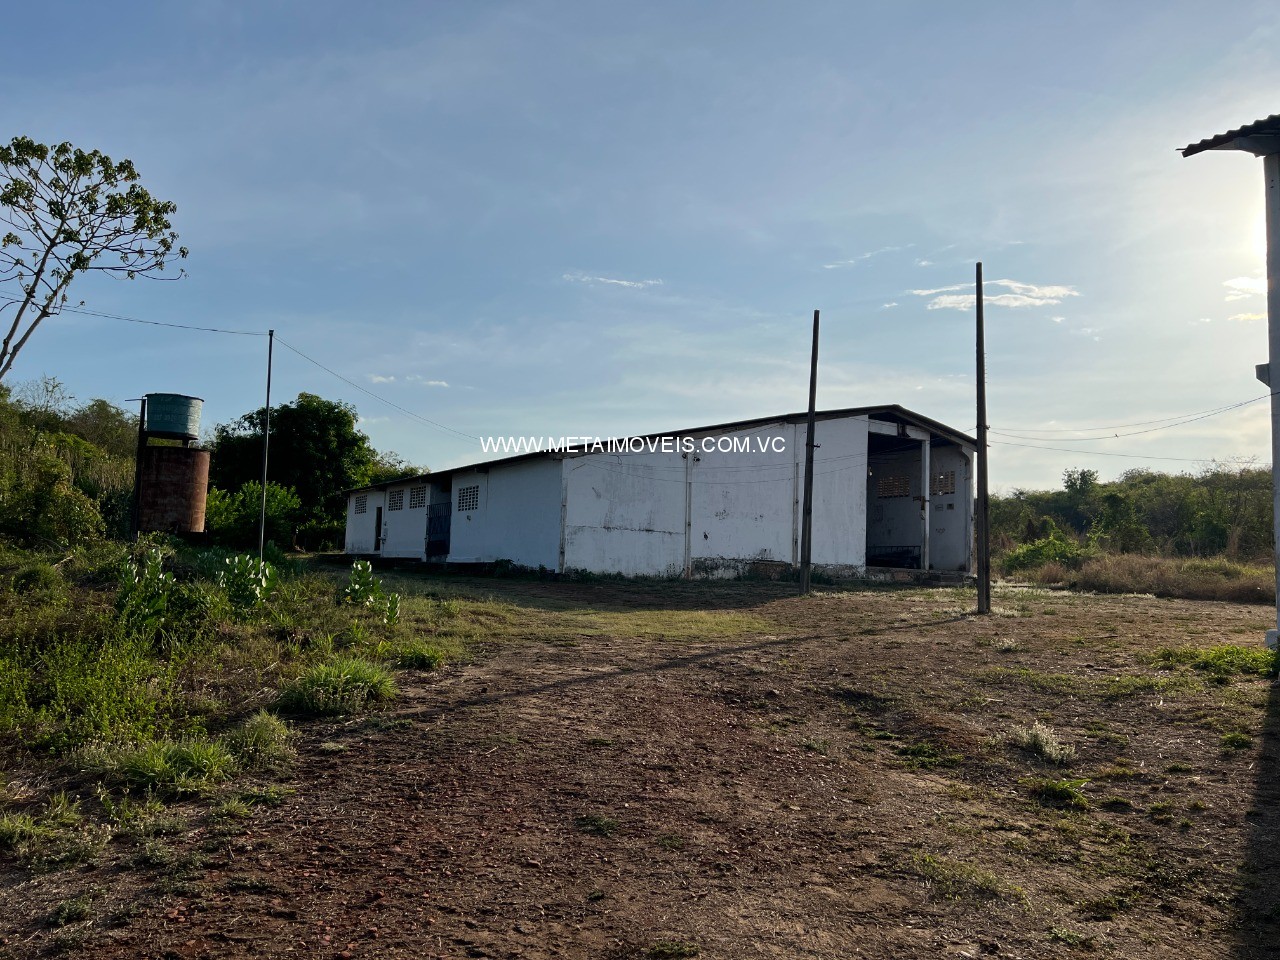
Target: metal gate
x,y
438,518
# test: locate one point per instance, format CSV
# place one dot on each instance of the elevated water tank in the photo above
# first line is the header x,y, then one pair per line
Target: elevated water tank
x,y
173,416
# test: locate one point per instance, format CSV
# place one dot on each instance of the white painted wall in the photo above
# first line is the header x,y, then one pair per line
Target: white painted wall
x,y
361,536
404,530
517,517
624,513
839,490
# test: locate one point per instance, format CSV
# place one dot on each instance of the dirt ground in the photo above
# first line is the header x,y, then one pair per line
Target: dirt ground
x,y
728,771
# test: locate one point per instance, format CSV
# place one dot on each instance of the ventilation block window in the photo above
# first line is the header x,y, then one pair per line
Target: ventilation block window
x,y
362,503
395,500
889,487
468,498
941,484
417,498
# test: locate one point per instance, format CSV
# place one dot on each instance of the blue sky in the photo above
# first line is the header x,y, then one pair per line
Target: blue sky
x,y
601,219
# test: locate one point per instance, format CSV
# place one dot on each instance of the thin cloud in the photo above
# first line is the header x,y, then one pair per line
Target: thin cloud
x,y
632,284
889,306
425,382
924,263
378,378
1248,317
1242,288
1019,295
865,256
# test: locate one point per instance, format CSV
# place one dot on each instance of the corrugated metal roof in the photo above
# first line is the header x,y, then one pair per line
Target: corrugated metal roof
x,y
1267,127
891,412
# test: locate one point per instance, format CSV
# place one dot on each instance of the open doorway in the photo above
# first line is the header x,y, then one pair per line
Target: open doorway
x,y
894,502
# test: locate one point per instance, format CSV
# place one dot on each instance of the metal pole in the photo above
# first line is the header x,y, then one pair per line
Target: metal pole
x,y
983,531
136,517
1271,174
806,520
266,443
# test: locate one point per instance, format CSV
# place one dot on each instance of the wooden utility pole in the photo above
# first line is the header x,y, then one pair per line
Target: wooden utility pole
x,y
806,518
266,444
981,520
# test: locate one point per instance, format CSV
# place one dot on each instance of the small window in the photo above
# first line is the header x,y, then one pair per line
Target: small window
x,y
941,484
417,498
468,498
395,500
362,503
889,487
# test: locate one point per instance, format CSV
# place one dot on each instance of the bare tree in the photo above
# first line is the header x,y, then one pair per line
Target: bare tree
x,y
67,212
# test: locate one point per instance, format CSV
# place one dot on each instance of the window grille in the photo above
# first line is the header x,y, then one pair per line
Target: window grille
x,y
417,498
468,498
941,484
362,503
888,487
395,500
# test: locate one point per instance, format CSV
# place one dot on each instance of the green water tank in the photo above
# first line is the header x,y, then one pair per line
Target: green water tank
x,y
174,416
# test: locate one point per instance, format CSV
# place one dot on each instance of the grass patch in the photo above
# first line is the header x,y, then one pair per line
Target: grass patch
x,y
261,741
185,766
1222,663
1236,741
341,686
1070,938
421,656
954,880
1039,740
1064,794
598,825
926,755
71,911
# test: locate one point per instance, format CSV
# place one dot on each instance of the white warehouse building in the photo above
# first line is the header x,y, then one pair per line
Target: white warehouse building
x,y
891,489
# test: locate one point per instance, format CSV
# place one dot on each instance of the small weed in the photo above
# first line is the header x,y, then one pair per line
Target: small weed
x,y
1039,740
71,911
671,841
1236,741
1007,646
1064,794
1070,938
596,824
1179,768
954,880
599,742
822,747
233,808
154,853
1117,803
927,756
1161,812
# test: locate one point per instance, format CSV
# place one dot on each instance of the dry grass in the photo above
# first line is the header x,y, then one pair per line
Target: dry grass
x,y
1189,579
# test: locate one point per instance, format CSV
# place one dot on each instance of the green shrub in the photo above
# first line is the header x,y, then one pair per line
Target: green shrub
x,y
247,581
143,599
343,685
1055,548
365,590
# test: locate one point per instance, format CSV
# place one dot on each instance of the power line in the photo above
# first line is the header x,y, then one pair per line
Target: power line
x,y
351,383
1103,453
1166,426
1141,423
150,323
